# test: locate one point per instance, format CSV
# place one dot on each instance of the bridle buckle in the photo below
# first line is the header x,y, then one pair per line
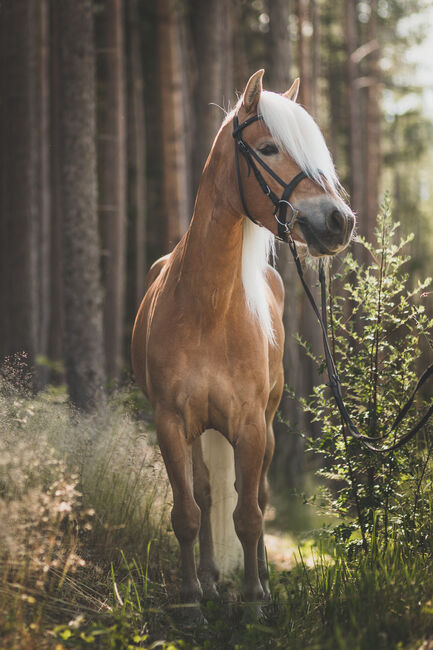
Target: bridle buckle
x,y
284,224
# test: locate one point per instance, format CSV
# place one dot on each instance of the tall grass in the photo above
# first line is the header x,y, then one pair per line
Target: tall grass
x,y
78,494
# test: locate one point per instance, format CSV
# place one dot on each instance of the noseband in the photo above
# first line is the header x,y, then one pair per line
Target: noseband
x,y
280,204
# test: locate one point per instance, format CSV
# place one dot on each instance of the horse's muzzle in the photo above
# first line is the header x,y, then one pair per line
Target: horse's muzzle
x,y
326,225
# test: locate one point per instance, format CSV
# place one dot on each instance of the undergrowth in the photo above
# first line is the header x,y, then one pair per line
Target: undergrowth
x,y
78,493
87,554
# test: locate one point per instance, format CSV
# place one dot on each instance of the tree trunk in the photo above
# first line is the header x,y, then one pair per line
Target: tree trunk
x,y
241,70
211,29
56,324
136,148
278,46
354,110
176,194
372,158
24,192
112,177
84,357
287,466
303,58
315,54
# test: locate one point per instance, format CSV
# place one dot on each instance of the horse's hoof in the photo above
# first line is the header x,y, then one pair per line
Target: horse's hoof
x,y
191,593
252,613
210,591
191,615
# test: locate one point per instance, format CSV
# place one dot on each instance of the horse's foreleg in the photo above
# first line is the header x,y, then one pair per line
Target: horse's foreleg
x,y
248,518
185,515
208,570
263,501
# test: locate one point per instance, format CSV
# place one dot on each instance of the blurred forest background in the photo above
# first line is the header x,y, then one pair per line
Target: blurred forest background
x,y
108,109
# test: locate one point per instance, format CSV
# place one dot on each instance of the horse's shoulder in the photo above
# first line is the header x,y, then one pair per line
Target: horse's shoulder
x,y
276,284
155,270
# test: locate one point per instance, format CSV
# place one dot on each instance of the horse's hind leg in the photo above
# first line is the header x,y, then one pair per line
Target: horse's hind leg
x,y
208,570
185,515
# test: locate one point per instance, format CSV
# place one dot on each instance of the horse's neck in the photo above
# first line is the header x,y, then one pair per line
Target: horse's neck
x,y
210,255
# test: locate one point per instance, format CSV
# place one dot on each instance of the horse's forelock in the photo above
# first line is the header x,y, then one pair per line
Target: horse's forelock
x,y
296,133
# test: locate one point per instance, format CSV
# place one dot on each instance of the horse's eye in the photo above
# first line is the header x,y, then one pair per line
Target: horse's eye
x,y
268,149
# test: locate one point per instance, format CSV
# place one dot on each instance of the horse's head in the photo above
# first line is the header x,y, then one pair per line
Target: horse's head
x,y
284,172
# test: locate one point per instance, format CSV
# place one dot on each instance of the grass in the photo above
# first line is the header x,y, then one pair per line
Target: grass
x,y
88,557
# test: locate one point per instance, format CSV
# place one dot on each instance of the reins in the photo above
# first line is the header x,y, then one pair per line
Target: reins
x,y
285,235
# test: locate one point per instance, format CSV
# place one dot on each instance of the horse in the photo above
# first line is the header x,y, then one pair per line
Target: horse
x,y
207,343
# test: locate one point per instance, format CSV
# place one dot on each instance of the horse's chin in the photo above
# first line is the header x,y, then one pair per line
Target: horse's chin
x,y
316,252
317,248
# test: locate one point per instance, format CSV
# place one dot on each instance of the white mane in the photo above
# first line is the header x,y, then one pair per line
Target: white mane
x,y
258,244
296,133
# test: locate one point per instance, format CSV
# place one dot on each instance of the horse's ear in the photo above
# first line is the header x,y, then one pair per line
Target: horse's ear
x,y
253,91
292,93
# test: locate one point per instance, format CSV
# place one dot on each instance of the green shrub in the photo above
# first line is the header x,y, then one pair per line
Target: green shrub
x,y
379,331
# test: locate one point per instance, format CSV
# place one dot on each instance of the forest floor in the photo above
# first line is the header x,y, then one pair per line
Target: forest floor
x,y
88,557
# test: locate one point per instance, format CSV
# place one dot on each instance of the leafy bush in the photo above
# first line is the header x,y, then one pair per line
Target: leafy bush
x,y
379,330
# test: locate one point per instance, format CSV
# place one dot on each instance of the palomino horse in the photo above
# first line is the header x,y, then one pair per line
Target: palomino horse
x,y
207,343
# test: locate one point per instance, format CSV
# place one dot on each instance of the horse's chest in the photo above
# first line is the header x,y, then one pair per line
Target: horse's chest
x,y
220,393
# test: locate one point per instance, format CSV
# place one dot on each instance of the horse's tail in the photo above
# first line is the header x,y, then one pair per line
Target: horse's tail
x,y
219,459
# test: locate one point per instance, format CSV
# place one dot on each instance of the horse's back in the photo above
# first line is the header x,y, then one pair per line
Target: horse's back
x,y
138,343
155,270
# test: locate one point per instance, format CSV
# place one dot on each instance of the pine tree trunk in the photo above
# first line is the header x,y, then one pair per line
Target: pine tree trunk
x,y
287,466
56,324
278,46
84,357
354,109
315,57
24,191
136,141
112,177
44,220
155,226
303,58
372,158
176,194
211,29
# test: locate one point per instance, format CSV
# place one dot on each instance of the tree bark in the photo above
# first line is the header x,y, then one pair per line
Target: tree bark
x,y
354,110
372,158
56,324
289,449
303,58
24,191
176,194
278,46
315,57
112,177
211,29
136,149
84,357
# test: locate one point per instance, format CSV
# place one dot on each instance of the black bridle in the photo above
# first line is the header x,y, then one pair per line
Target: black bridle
x,y
285,235
251,157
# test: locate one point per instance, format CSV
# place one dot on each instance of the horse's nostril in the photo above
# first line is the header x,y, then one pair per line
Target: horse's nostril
x,y
335,222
